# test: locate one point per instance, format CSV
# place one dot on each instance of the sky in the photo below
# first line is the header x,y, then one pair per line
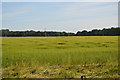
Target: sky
x,y
59,16
60,0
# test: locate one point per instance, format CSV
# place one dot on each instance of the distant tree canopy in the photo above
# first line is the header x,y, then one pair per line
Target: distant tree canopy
x,y
95,32
104,32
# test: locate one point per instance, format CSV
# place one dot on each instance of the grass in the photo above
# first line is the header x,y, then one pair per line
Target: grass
x,y
60,57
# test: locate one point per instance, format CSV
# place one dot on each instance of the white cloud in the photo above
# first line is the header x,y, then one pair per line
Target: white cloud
x,y
78,10
75,25
81,11
70,26
89,24
88,15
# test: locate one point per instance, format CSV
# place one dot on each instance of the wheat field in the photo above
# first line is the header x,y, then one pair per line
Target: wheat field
x,y
60,57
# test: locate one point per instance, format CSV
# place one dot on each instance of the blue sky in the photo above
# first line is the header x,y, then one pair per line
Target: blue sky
x,y
60,0
59,16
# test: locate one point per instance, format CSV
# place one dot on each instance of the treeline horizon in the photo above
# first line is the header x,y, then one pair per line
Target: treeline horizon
x,y
113,31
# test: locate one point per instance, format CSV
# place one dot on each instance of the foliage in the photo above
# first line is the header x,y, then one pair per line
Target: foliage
x,y
103,32
95,32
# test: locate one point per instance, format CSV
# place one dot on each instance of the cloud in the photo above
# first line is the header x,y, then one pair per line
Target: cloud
x,y
75,11
68,17
86,10
89,24
71,25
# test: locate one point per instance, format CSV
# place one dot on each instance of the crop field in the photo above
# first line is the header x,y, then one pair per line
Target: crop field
x,y
60,57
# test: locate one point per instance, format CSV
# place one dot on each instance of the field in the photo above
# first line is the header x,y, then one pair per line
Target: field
x,y
60,57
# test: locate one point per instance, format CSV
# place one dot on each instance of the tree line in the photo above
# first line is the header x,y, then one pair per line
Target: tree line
x,y
114,31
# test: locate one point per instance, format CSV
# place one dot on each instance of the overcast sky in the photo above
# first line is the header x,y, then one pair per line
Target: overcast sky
x,y
59,16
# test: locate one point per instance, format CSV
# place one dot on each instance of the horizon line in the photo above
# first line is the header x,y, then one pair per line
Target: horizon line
x,y
61,30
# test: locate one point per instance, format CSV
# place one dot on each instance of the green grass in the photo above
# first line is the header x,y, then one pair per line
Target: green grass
x,y
60,57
